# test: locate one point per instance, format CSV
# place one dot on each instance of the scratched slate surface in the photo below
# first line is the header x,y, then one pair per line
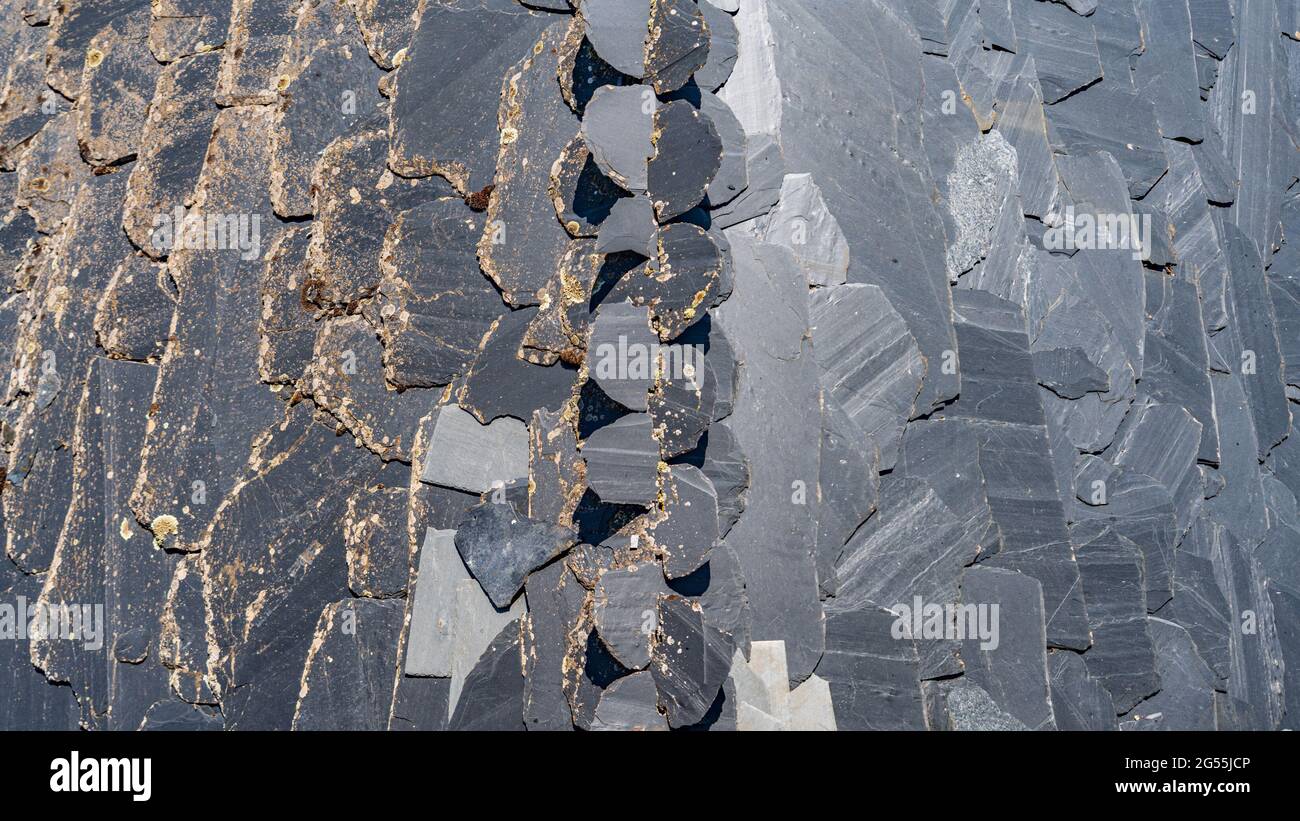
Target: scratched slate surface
x,y
886,364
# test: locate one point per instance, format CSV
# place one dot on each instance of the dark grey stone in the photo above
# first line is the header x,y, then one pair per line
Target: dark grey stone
x,y
501,548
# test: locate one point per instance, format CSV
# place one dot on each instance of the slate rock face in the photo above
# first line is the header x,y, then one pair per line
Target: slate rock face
x,y
650,364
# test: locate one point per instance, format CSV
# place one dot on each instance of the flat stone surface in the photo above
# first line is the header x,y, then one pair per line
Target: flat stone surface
x,y
473,457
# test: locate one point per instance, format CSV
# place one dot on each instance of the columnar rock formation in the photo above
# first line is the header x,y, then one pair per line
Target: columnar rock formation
x,y
649,364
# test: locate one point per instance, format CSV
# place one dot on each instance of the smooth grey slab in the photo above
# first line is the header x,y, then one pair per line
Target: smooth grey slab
x,y
622,461
617,125
1013,668
470,456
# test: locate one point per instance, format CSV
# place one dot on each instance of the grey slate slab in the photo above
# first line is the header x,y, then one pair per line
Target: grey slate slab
x,y
1161,442
622,461
172,146
1250,96
473,457
617,125
1014,670
1023,123
555,604
522,243
766,322
623,353
618,31
1176,366
624,605
913,546
677,45
502,383
472,44
869,360
802,222
1186,697
1062,43
1166,70
1068,373
630,704
849,484
1253,341
1105,119
732,176
723,47
630,226
687,155
328,85
689,532
347,681
873,676
492,698
690,659
726,467
434,303
1122,656
1079,701
428,648
764,171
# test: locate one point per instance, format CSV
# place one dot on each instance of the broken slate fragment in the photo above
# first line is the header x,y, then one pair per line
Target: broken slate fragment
x,y
802,222
522,243
473,457
624,352
502,383
870,362
434,303
347,681
617,128
1068,373
688,153
493,695
872,675
690,660
630,226
678,44
724,40
469,45
630,704
622,461
501,548
1079,701
624,604
1009,662
689,531
617,29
